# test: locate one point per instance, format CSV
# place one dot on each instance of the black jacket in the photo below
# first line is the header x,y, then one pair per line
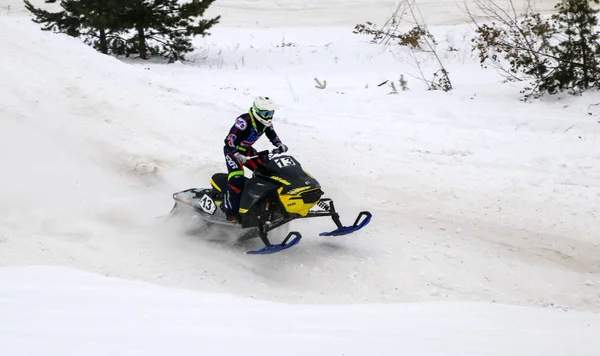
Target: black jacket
x,y
246,131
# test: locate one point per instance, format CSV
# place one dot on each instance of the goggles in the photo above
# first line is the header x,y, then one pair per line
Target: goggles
x,y
265,114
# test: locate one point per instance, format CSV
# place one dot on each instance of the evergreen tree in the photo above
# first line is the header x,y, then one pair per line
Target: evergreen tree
x,y
96,21
164,27
561,53
578,49
159,27
55,21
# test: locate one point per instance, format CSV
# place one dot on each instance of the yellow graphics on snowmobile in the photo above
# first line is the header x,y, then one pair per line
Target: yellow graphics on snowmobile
x,y
300,200
296,201
280,180
215,185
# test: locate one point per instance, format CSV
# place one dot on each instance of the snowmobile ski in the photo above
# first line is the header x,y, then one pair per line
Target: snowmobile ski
x,y
269,249
345,230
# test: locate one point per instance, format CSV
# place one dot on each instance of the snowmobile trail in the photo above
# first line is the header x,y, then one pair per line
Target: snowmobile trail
x,y
474,197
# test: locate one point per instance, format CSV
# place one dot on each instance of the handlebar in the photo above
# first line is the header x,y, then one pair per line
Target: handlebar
x,y
265,153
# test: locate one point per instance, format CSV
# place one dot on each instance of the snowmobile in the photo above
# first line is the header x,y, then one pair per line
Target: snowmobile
x,y
278,192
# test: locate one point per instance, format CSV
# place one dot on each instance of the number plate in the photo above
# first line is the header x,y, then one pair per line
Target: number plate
x,y
285,162
207,204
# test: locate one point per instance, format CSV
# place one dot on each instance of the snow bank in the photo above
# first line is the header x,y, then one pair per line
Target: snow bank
x,y
56,311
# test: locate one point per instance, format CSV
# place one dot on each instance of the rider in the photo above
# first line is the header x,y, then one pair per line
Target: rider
x,y
248,128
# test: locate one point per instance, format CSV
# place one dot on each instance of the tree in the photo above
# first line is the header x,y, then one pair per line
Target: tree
x,y
578,50
159,27
522,42
93,20
558,53
163,27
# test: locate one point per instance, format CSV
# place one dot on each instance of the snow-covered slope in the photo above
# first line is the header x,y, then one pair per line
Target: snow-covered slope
x,y
53,311
475,195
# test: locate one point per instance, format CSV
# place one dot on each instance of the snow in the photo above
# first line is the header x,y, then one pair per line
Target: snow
x,y
73,313
485,234
311,13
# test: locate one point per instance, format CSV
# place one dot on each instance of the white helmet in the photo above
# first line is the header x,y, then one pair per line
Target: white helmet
x,y
263,109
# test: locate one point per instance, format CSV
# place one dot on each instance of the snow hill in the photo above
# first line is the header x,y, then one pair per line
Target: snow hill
x,y
476,196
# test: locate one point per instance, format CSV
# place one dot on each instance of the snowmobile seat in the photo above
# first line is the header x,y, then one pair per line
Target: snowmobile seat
x,y
219,181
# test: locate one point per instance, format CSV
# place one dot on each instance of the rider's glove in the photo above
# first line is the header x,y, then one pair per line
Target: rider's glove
x,y
240,157
282,148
